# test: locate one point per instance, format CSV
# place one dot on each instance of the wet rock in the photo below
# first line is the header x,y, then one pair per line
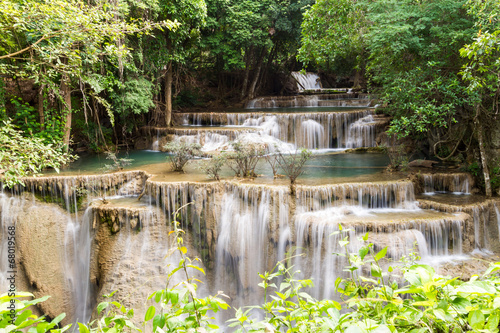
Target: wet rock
x,y
40,234
422,163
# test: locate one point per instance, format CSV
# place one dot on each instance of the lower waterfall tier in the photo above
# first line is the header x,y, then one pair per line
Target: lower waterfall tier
x,y
98,237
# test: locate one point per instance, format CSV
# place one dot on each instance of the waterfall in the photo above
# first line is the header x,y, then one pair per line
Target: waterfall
x,y
434,236
156,143
242,242
312,134
456,183
361,133
77,245
254,234
237,229
307,130
497,212
323,100
368,195
66,247
307,81
10,207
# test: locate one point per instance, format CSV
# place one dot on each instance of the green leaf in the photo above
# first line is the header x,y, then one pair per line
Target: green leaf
x,y
150,313
493,321
158,321
83,328
363,252
197,268
476,319
102,306
376,271
381,254
461,303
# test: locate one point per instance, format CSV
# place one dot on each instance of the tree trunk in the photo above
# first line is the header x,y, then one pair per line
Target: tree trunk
x,y
66,93
251,92
168,95
40,106
484,161
247,73
484,158
357,79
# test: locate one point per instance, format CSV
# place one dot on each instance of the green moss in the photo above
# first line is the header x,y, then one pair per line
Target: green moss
x,y
74,205
378,150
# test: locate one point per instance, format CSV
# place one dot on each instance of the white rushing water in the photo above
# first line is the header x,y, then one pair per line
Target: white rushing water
x,y
456,183
77,244
307,81
243,230
10,207
324,130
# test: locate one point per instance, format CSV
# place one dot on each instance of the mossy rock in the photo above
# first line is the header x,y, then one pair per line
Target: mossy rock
x,y
362,150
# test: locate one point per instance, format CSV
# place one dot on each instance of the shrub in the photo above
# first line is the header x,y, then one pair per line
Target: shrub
x,y
292,165
27,156
272,160
117,163
16,315
212,167
245,158
182,152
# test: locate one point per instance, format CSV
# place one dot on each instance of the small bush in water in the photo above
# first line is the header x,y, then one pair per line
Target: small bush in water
x,y
244,159
181,152
213,166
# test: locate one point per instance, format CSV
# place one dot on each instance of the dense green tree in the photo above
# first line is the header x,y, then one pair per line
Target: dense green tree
x,y
22,156
410,50
414,59
482,72
164,50
333,36
434,63
62,45
253,36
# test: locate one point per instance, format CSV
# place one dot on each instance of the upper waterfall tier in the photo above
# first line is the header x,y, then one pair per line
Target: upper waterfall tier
x,y
312,130
307,81
323,100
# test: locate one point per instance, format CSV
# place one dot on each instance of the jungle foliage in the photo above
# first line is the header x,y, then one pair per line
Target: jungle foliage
x,y
22,156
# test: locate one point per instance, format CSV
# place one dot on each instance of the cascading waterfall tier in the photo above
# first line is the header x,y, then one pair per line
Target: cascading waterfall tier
x,y
307,81
324,100
481,234
369,195
53,251
319,236
55,207
319,130
210,138
456,183
68,189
